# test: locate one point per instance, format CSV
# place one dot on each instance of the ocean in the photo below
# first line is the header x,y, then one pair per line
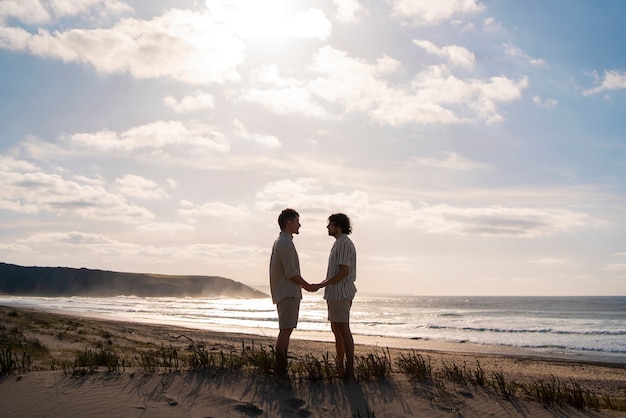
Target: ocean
x,y
589,328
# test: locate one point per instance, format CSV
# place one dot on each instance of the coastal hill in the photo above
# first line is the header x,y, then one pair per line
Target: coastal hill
x,y
65,281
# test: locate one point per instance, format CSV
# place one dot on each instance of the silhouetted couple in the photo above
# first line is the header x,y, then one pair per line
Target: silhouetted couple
x,y
286,285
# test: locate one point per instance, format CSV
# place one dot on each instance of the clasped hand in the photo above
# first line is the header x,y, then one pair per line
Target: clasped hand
x,y
310,287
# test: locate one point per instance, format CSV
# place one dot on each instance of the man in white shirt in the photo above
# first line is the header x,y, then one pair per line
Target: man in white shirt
x,y
340,290
286,283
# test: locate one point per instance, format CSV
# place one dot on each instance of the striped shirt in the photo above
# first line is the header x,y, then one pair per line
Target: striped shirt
x,y
342,253
284,264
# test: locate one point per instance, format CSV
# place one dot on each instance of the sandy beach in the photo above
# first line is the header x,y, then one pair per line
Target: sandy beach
x,y
78,366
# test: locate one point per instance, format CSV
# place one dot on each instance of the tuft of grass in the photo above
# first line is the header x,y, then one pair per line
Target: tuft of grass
x,y
502,386
151,361
12,342
261,359
373,366
10,363
415,365
310,368
556,392
88,361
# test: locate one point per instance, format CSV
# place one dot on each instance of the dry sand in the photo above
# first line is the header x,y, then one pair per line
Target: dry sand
x,y
182,392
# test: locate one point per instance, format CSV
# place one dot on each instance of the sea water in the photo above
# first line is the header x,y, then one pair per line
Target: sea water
x,y
584,327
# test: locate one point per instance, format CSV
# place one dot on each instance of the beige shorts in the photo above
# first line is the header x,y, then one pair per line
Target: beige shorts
x,y
288,310
339,311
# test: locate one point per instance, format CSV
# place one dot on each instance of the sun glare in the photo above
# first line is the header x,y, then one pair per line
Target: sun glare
x,y
273,18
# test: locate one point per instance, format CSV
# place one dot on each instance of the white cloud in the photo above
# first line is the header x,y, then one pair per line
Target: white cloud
x,y
28,11
548,104
28,190
214,209
182,45
35,11
303,185
456,55
434,96
191,102
80,247
293,100
616,267
493,221
515,52
453,161
310,195
348,84
268,141
349,11
72,237
388,65
156,139
10,249
546,261
432,12
140,187
612,80
165,227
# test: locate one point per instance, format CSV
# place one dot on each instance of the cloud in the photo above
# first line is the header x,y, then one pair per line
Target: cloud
x,y
139,187
165,227
546,261
267,141
548,104
433,96
515,52
191,102
214,209
453,161
493,221
612,80
89,244
155,139
432,12
349,11
182,45
37,12
456,55
310,194
26,189
616,267
28,11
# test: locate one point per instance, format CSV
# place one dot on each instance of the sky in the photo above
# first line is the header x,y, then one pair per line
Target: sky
x,y
478,147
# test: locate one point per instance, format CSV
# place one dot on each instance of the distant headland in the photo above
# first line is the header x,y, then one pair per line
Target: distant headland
x,y
66,281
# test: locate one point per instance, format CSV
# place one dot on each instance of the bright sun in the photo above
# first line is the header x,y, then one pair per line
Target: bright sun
x,y
268,18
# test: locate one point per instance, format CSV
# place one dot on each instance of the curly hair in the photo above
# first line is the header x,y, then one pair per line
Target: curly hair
x,y
342,221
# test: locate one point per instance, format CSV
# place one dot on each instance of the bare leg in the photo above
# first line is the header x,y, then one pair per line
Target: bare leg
x,y
282,345
344,344
339,346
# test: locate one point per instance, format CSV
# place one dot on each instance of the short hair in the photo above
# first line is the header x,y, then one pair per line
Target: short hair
x,y
286,215
342,221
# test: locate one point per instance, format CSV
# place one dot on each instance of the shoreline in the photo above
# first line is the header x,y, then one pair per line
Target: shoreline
x,y
436,345
201,393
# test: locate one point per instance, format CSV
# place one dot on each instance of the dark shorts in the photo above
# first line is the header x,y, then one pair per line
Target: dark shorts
x,y
339,311
288,310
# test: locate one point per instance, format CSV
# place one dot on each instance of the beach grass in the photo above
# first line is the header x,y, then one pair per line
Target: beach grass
x,y
27,344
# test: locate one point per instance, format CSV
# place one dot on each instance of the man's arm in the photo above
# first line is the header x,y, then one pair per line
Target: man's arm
x,y
303,283
343,272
